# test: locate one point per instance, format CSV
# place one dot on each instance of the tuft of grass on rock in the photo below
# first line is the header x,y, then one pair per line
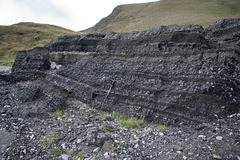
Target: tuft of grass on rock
x,y
123,117
161,127
49,139
114,115
101,116
63,121
58,112
56,152
80,155
69,152
131,123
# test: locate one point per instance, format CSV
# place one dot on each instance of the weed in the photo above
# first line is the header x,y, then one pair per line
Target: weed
x,y
114,115
63,121
131,123
58,112
101,116
56,152
81,155
221,41
123,117
123,53
133,134
49,139
80,122
69,152
162,127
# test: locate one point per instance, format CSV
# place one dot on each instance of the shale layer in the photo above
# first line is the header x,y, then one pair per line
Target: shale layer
x,y
170,74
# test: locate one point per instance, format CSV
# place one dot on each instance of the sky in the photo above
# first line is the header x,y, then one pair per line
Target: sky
x,y
76,15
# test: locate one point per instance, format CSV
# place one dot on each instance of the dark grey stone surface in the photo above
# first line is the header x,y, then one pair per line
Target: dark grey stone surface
x,y
169,74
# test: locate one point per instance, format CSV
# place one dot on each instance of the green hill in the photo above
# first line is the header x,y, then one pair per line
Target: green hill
x,y
134,17
23,36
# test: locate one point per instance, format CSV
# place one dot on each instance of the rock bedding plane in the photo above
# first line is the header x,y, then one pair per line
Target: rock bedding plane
x,y
186,77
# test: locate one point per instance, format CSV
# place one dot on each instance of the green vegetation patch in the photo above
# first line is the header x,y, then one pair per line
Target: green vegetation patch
x,y
80,155
69,152
56,152
64,121
114,115
131,123
58,112
25,36
101,116
161,127
6,62
49,139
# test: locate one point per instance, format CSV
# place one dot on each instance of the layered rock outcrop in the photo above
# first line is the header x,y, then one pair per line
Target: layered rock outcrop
x,y
169,74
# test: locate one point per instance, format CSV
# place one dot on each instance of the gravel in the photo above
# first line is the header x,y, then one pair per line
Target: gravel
x,y
79,134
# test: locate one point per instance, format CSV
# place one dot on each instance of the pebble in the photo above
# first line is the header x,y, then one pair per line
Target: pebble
x,y
202,136
96,150
79,141
219,138
65,157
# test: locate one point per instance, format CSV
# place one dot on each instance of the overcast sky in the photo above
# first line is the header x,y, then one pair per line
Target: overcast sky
x,y
72,14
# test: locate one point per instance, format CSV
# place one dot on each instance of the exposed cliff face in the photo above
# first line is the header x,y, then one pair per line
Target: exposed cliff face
x,y
169,74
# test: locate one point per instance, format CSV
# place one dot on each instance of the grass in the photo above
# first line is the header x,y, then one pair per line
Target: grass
x,y
135,17
25,36
161,127
114,115
58,112
101,116
56,152
6,62
49,139
130,122
123,117
69,152
80,155
64,121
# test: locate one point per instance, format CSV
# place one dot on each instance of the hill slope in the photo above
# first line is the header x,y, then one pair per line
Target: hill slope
x,y
136,17
24,36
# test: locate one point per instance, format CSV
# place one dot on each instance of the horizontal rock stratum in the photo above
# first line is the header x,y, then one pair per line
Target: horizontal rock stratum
x,y
169,74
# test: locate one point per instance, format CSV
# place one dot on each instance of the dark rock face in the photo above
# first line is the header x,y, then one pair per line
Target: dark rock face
x,y
37,58
169,74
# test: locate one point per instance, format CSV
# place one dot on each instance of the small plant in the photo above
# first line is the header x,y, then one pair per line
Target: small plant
x,y
81,155
49,139
58,112
80,122
123,53
162,127
123,117
131,123
56,152
133,134
69,152
64,121
114,115
221,41
121,143
101,116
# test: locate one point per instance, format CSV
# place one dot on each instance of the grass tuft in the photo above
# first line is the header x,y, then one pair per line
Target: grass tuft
x,y
131,123
101,116
58,112
56,152
162,127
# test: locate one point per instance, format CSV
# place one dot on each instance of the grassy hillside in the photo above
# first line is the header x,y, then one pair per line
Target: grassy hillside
x,y
24,36
133,17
